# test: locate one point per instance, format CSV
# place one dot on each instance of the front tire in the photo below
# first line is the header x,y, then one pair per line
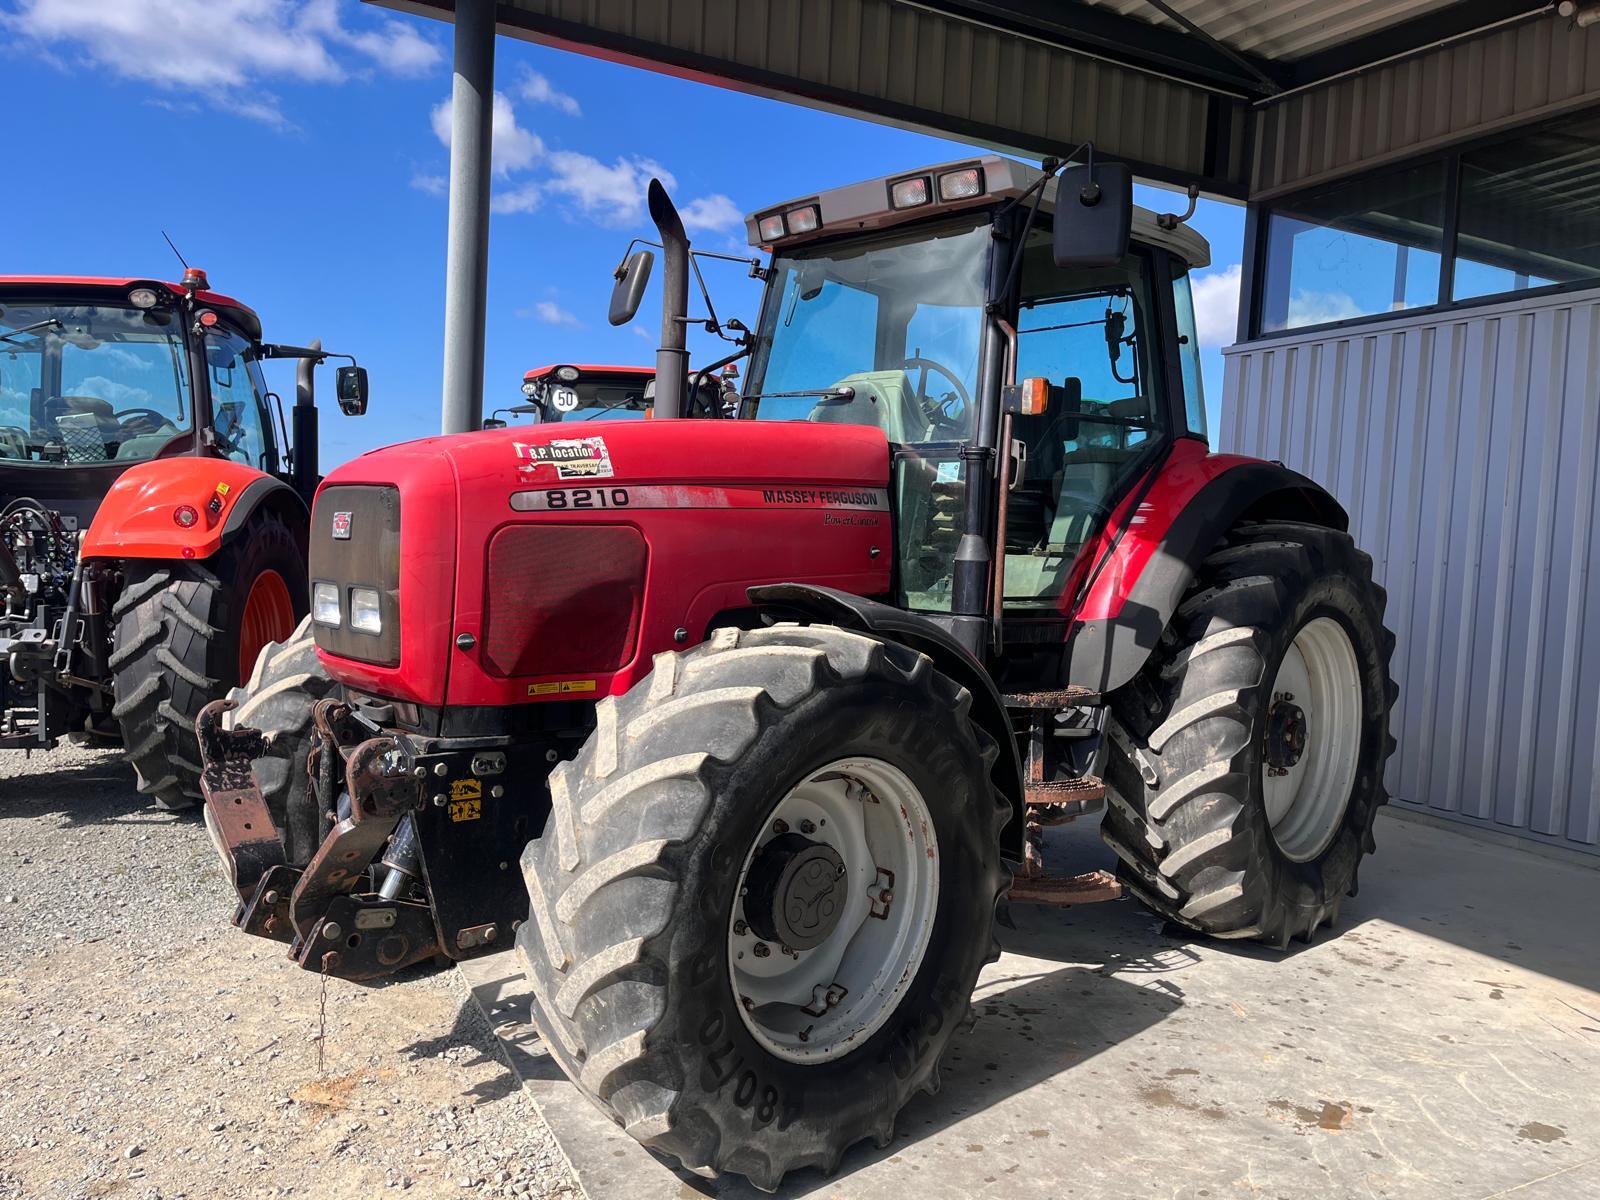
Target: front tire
x,y
285,685
637,919
182,631
1246,759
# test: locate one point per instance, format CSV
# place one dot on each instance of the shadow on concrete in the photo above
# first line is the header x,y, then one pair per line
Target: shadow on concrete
x,y
1503,902
469,1044
82,791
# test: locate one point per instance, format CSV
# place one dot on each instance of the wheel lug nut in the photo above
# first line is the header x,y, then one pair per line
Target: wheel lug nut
x,y
740,928
762,950
807,827
780,826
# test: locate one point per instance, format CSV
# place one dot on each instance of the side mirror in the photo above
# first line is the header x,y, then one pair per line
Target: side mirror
x,y
492,423
351,387
1094,215
631,276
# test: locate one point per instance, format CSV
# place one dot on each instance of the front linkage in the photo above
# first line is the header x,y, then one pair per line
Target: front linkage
x,y
369,903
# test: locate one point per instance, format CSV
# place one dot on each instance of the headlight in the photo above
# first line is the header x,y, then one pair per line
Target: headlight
x,y
567,374
325,604
364,610
529,387
143,297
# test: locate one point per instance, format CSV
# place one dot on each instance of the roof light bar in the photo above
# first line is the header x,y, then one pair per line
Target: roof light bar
x,y
911,193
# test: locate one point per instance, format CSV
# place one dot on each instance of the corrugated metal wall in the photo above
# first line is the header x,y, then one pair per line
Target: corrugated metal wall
x,y
1465,447
1462,90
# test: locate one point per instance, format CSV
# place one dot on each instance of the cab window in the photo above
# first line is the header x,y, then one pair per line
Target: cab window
x,y
238,403
1092,334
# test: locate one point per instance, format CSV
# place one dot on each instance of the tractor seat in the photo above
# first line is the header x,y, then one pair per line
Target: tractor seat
x,y
882,399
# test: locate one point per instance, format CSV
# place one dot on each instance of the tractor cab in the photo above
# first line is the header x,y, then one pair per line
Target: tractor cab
x,y
97,375
934,306
568,392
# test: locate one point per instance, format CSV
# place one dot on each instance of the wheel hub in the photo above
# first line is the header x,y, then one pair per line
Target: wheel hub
x,y
1286,734
797,891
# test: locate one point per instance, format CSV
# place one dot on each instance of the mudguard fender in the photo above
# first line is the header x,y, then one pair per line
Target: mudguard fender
x,y
1143,575
810,602
136,519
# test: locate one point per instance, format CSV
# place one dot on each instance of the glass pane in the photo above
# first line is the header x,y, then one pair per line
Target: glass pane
x,y
1355,249
897,318
1093,335
85,383
1194,397
930,491
236,407
1530,212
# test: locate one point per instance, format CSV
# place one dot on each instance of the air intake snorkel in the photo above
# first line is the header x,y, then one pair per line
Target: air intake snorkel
x,y
672,358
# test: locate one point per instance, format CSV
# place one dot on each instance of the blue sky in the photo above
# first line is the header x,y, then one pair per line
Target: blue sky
x,y
292,148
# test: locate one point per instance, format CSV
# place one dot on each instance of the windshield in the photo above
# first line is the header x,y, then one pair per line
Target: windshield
x,y
897,320
90,383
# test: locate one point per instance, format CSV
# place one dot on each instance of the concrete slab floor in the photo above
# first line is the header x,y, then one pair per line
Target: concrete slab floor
x,y
1443,1041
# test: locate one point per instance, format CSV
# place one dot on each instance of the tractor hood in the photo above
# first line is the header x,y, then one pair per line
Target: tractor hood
x,y
552,561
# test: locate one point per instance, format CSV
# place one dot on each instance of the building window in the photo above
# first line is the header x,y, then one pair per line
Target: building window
x,y
1361,247
1498,218
1530,212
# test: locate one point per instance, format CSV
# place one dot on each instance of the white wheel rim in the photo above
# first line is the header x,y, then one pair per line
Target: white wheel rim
x,y
870,815
1307,798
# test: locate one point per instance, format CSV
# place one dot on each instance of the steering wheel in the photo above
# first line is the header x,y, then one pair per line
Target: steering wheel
x,y
939,413
160,418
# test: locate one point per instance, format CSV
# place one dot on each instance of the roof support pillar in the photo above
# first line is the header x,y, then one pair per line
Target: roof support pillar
x,y
467,254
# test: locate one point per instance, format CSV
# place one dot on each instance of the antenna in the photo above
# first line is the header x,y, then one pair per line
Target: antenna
x,y
176,251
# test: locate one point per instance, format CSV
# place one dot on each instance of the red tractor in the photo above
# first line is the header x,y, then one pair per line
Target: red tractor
x,y
152,518
769,711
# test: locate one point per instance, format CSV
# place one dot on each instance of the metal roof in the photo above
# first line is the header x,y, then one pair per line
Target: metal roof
x,y
1281,30
1242,97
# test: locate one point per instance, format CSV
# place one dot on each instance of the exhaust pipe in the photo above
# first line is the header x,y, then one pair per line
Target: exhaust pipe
x,y
672,358
306,468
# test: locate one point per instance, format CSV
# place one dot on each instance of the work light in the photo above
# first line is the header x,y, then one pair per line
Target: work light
x,y
961,185
910,193
770,228
365,616
325,604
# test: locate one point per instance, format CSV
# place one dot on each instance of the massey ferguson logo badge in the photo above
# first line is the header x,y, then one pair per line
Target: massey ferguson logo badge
x,y
341,526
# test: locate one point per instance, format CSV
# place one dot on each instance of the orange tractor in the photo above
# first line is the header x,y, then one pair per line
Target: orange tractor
x,y
153,516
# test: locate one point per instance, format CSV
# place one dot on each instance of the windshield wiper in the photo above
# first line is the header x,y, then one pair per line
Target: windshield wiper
x,y
48,323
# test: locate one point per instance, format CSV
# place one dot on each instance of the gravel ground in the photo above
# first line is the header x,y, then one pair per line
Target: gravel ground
x,y
150,1050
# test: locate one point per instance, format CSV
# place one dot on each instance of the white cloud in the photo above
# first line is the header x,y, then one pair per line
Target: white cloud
x,y
611,195
537,88
1317,308
641,332
551,313
523,199
222,50
433,185
1216,305
511,147
714,213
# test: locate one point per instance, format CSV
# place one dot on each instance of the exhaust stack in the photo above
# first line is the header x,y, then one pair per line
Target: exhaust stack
x,y
672,357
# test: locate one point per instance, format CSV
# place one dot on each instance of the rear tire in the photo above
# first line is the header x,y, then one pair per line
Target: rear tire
x,y
1198,805
285,686
635,882
179,625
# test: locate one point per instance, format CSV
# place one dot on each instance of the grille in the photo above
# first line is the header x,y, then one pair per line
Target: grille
x,y
563,600
368,557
